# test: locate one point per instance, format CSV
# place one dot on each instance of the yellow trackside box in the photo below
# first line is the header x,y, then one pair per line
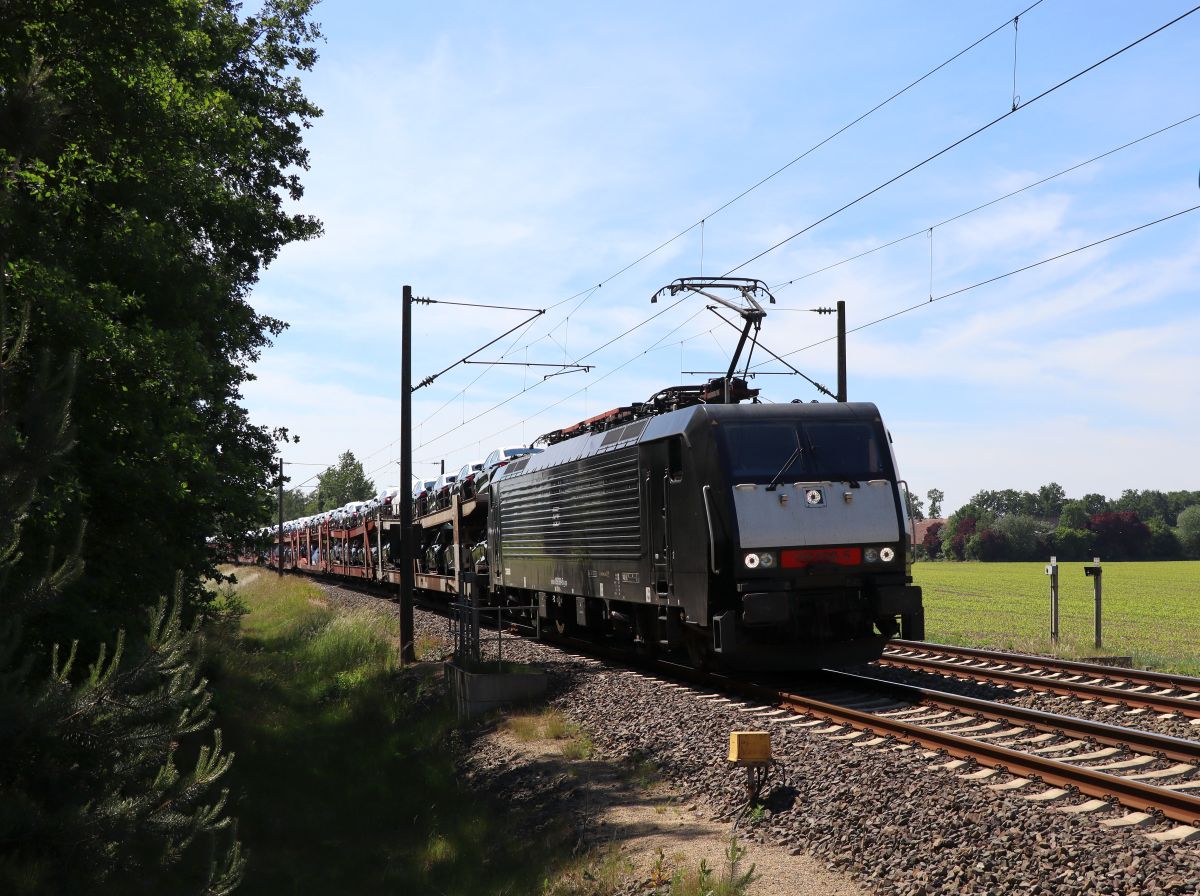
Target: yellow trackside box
x,y
749,746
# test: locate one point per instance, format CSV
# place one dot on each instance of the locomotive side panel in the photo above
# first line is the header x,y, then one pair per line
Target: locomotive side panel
x,y
572,529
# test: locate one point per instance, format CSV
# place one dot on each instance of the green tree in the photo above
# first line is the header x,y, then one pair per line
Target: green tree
x,y
1073,544
1025,537
1164,543
1189,531
1050,499
1073,515
345,482
93,798
915,505
147,153
297,504
936,497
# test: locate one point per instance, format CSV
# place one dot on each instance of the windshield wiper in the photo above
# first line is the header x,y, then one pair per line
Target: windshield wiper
x,y
786,464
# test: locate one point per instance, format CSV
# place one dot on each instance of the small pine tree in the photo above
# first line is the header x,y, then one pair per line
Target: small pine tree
x,y
94,799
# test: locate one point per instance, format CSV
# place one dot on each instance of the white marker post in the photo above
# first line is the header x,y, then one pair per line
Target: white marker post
x,y
1052,572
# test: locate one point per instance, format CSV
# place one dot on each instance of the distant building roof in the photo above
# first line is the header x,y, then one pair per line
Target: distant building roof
x,y
922,526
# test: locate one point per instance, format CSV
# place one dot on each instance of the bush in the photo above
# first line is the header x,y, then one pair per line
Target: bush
x,y
1072,544
1024,536
1120,536
957,547
989,545
1189,531
932,542
1164,543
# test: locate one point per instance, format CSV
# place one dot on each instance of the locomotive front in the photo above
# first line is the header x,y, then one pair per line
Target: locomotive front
x,y
808,532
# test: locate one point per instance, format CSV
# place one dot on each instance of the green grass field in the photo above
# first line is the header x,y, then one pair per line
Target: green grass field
x,y
1150,610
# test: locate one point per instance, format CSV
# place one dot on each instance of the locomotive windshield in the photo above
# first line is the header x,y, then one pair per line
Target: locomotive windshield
x,y
835,450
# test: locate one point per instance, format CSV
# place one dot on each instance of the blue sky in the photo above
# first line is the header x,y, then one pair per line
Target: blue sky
x,y
520,154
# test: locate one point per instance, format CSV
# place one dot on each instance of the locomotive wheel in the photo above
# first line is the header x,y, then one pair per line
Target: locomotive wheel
x,y
564,616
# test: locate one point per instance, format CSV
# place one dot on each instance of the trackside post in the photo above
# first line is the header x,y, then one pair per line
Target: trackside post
x,y
1095,572
408,652
1052,572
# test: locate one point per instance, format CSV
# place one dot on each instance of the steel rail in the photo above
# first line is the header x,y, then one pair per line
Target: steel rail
x,y
1161,745
1096,670
1133,794
1136,699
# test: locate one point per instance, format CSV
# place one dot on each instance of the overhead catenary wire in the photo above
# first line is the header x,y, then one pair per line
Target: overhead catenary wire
x,y
537,383
925,303
746,192
843,208
959,142
585,294
820,143
891,180
652,347
924,230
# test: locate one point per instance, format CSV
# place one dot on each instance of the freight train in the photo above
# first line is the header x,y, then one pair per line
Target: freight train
x,y
742,535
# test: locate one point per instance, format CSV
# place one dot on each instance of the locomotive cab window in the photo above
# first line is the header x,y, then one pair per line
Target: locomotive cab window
x,y
835,450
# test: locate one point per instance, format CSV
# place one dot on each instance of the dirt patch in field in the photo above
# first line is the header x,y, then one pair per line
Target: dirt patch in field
x,y
615,811
245,578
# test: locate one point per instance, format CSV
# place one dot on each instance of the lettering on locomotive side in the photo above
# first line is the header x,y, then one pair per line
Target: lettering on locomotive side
x,y
634,577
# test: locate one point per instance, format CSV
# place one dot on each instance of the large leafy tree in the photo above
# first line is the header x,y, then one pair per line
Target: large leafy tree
x,y
149,153
345,481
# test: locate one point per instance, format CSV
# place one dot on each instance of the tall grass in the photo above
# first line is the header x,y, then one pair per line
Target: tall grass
x,y
345,769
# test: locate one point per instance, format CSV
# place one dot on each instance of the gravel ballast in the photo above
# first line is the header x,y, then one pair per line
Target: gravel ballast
x,y
887,816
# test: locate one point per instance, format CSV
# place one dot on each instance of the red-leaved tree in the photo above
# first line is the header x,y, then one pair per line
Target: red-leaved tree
x,y
1120,536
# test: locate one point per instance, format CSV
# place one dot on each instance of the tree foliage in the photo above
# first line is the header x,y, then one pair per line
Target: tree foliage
x,y
1189,530
344,482
147,155
915,506
936,496
1140,525
1119,536
93,798
932,542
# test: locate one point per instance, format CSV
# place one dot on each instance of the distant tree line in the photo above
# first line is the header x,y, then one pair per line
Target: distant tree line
x,y
1020,525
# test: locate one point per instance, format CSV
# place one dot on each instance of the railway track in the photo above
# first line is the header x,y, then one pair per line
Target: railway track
x,y
1159,692
1053,759
1070,764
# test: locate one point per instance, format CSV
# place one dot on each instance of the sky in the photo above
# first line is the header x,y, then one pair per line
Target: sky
x,y
577,157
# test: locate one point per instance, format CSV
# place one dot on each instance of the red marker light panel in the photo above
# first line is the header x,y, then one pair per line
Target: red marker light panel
x,y
798,558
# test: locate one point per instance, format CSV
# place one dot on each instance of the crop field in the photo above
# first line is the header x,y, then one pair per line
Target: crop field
x,y
1151,611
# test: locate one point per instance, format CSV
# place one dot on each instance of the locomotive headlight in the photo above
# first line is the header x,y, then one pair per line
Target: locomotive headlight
x,y
752,561
870,555
766,560
887,555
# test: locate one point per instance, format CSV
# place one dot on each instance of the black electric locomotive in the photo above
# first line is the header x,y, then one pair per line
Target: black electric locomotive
x,y
760,536
753,536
